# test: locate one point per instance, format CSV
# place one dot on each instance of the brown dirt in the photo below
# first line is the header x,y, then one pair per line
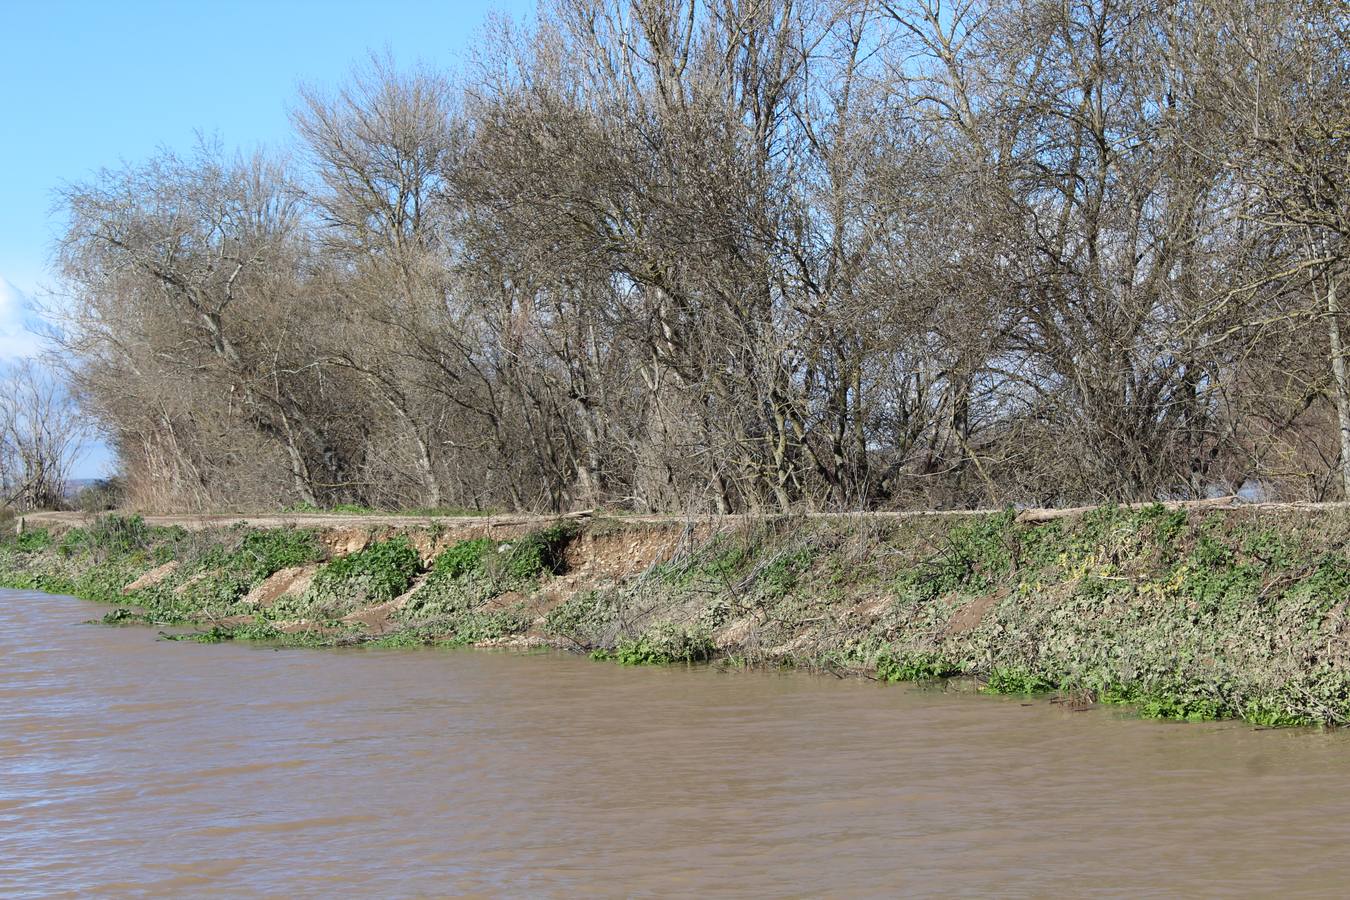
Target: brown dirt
x,y
378,619
502,601
735,634
621,553
290,582
375,618
504,526
428,544
152,578
875,606
300,626
345,541
969,617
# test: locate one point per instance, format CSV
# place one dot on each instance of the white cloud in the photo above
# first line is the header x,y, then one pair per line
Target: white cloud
x,y
17,341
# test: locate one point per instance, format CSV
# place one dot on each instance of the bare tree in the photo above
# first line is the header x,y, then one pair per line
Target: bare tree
x,y
718,255
41,434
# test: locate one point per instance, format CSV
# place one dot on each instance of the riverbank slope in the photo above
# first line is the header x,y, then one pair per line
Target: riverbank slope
x,y
1186,613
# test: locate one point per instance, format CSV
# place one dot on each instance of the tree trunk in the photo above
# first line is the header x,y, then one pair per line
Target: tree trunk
x,y
1342,382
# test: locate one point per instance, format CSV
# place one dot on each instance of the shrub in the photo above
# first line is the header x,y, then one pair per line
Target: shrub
x,y
263,552
473,627
1181,701
539,552
977,554
585,617
34,540
1014,680
101,496
117,534
463,557
780,576
102,582
380,572
664,644
914,667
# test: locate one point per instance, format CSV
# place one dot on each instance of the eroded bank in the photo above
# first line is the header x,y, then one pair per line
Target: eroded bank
x,y
1202,613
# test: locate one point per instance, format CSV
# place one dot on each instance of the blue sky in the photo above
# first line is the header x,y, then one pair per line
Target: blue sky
x,y
90,84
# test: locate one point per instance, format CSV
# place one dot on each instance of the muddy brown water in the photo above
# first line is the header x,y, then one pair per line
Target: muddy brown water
x,y
141,767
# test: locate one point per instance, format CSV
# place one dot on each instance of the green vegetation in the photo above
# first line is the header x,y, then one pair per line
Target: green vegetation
x,y
539,552
586,619
33,540
1014,680
463,558
376,574
112,534
465,596
380,572
976,555
1217,614
271,550
914,667
341,509
664,644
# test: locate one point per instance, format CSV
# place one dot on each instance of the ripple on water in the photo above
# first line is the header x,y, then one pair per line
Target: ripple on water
x,y
131,765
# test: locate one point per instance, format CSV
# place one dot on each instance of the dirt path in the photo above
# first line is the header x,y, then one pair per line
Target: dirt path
x,y
195,522
302,520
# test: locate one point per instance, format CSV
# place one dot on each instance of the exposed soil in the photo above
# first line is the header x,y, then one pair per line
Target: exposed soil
x,y
379,619
1218,610
153,577
290,582
969,616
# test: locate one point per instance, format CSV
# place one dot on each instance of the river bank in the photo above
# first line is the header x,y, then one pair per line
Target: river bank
x,y
1196,613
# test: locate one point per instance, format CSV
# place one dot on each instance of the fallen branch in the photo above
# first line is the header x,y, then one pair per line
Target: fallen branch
x,y
535,520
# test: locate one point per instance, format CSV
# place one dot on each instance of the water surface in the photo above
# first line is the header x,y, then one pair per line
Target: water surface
x,y
130,765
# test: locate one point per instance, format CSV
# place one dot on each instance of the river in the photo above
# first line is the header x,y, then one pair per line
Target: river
x,y
135,766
